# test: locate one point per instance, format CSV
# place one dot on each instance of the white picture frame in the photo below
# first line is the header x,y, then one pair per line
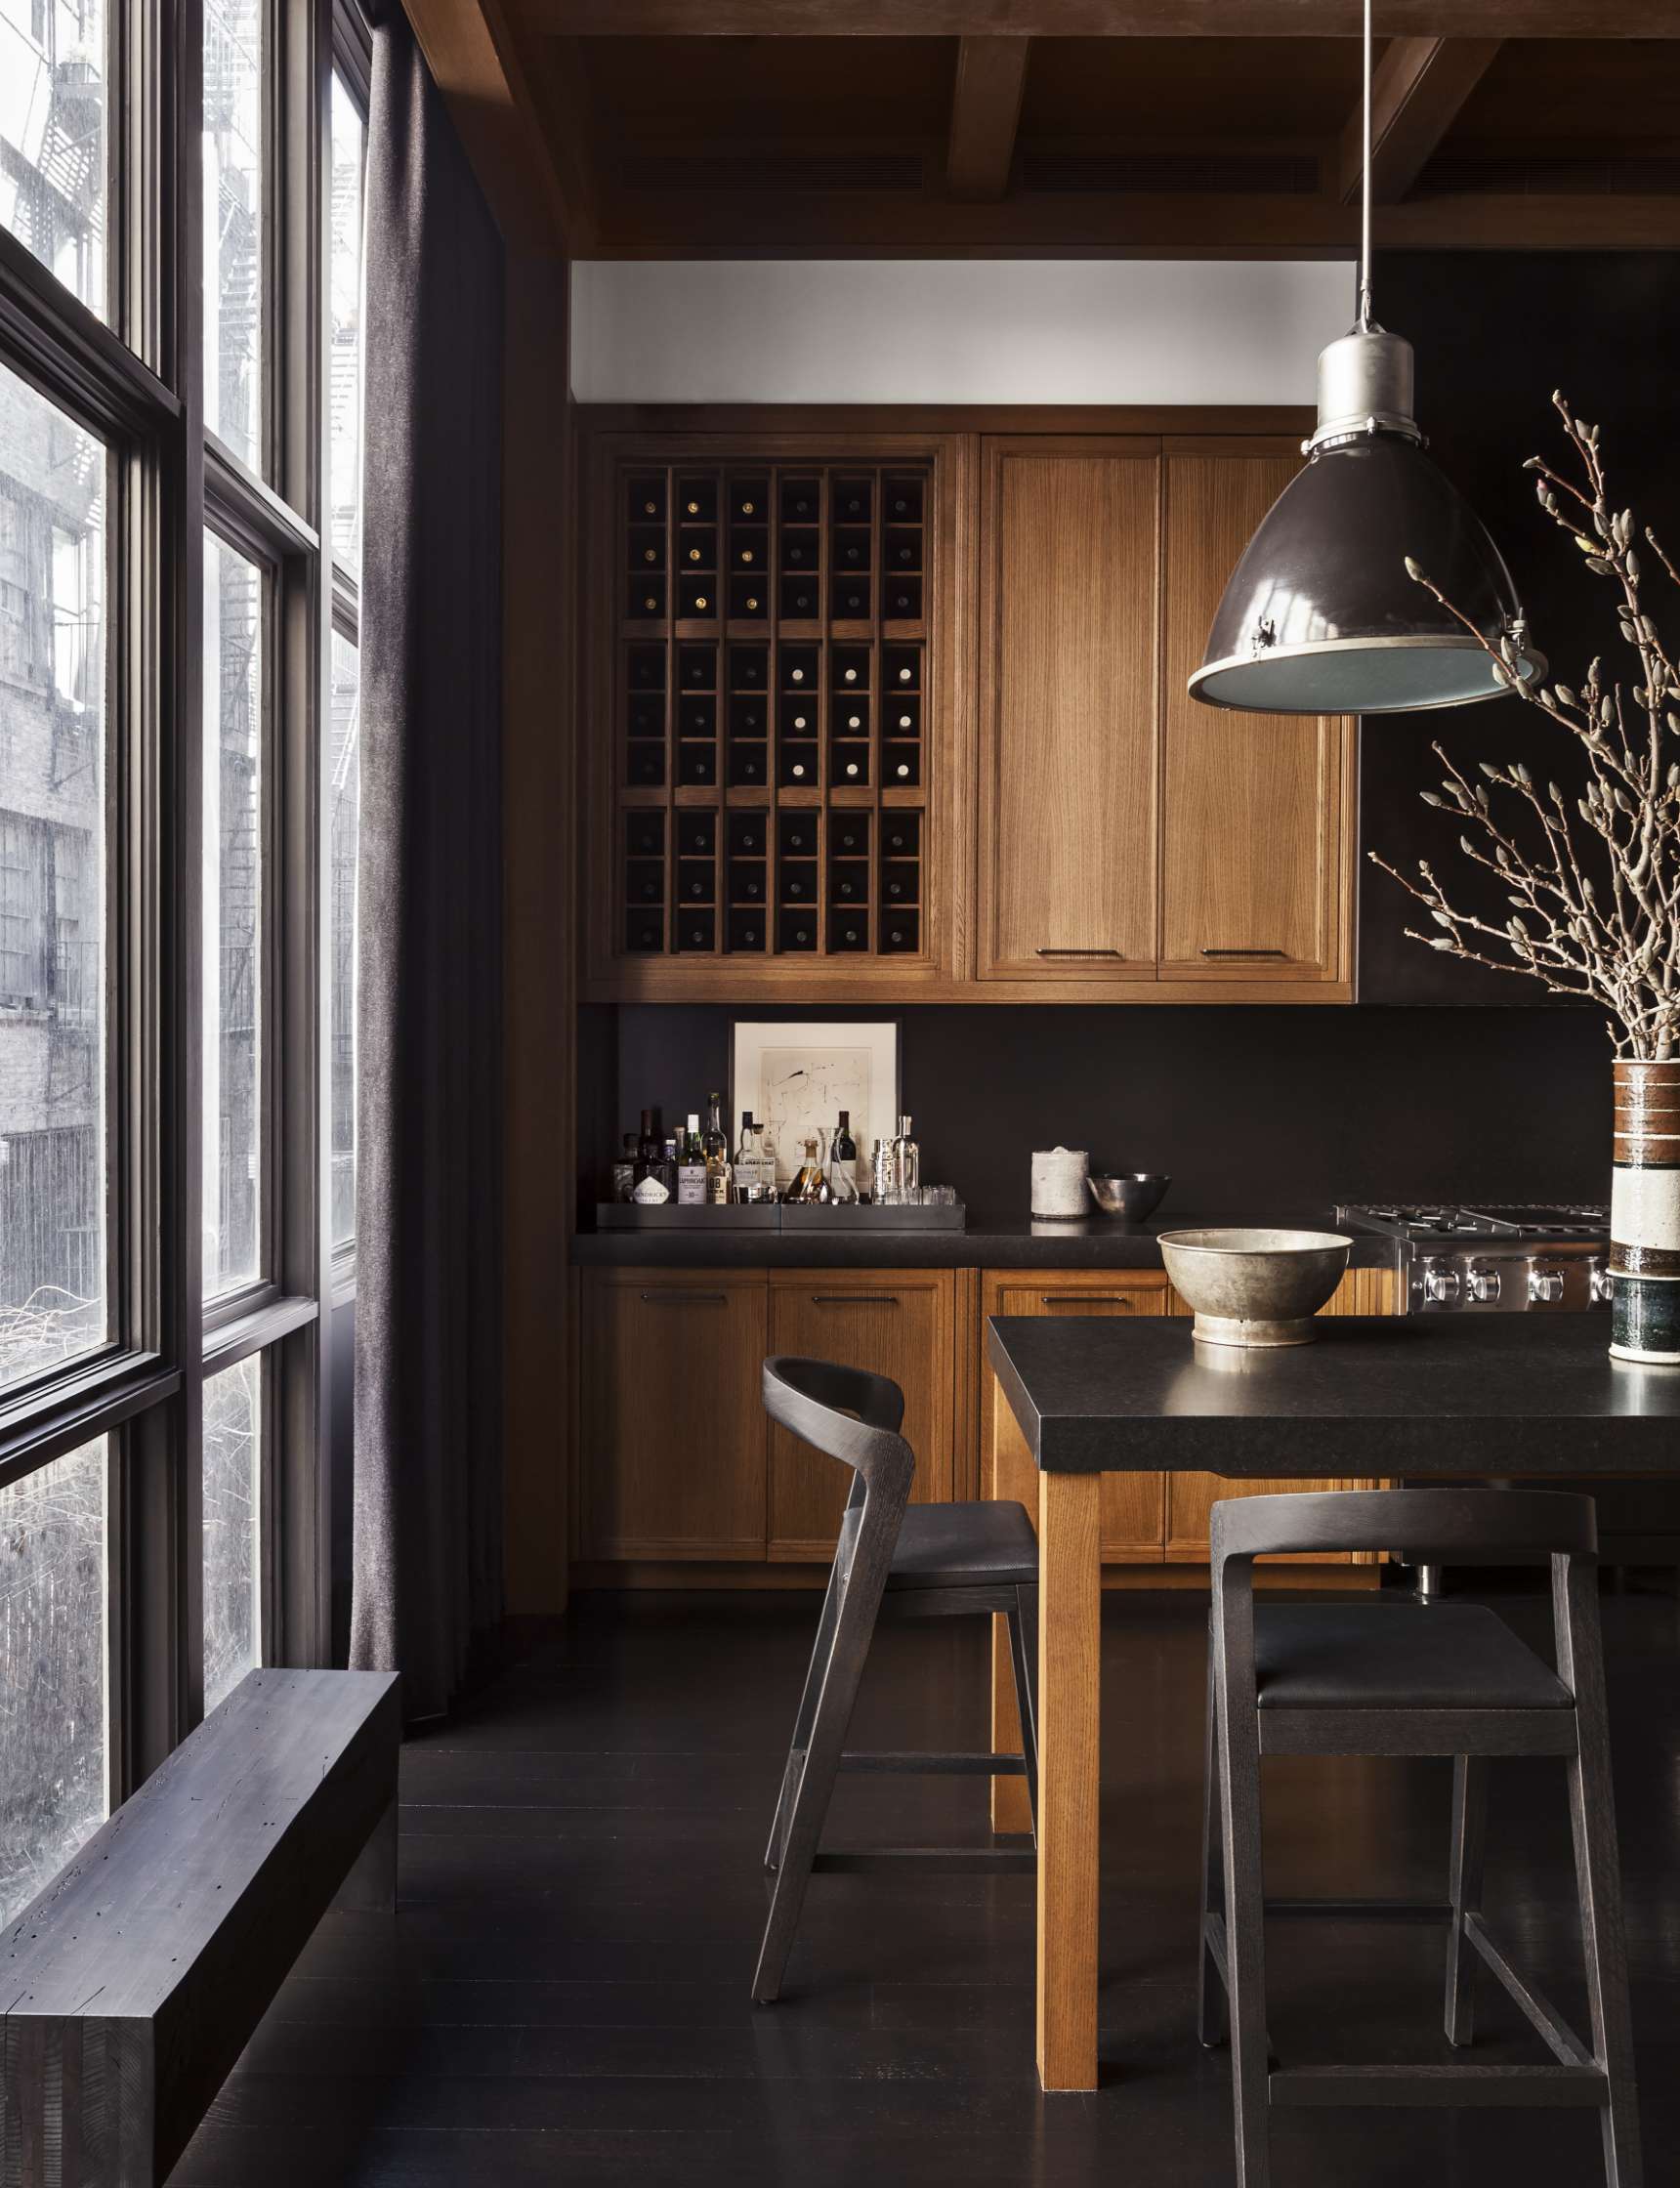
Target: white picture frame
x,y
797,1074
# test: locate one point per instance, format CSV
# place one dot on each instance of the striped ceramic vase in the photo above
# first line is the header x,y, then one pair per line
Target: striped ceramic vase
x,y
1645,1214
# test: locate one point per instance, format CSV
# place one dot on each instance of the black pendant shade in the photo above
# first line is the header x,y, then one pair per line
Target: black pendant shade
x,y
1319,617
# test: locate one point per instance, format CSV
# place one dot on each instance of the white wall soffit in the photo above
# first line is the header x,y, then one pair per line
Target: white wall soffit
x,y
968,331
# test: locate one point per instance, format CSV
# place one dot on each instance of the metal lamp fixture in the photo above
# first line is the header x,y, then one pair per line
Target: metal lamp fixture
x,y
1319,617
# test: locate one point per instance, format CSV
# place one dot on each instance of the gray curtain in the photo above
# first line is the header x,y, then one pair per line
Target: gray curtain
x,y
428,1499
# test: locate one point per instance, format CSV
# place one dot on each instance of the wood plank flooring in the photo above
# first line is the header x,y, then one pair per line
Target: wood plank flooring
x,y
563,1997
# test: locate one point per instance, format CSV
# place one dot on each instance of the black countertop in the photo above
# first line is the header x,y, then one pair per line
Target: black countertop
x,y
1477,1395
990,1242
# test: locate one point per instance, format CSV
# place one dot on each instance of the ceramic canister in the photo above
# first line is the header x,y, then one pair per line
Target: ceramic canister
x,y
1644,1213
1058,1182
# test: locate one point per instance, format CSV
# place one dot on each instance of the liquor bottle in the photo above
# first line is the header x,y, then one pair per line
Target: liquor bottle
x,y
669,1169
843,1162
767,1157
907,1159
651,1189
691,1167
717,1154
745,1186
624,1169
810,1187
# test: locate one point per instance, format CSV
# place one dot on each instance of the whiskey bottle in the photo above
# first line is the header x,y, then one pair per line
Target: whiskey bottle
x,y
716,1148
691,1167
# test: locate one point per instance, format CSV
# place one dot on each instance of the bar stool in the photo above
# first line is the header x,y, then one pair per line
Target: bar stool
x,y
920,1561
1374,1678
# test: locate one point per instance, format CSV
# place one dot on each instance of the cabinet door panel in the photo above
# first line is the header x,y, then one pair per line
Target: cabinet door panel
x,y
898,1323
1134,1505
1070,594
1191,1497
1252,804
674,1429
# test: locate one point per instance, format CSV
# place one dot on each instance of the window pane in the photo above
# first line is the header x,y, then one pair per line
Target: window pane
x,y
233,1499
233,916
52,885
343,307
234,38
52,69
52,1669
343,809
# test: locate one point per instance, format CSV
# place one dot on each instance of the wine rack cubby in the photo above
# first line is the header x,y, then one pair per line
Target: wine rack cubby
x,y
771,667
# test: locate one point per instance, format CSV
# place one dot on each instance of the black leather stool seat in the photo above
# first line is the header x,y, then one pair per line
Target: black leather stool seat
x,y
958,1546
1382,1656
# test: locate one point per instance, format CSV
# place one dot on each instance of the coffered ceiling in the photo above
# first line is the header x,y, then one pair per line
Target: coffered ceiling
x,y
1186,128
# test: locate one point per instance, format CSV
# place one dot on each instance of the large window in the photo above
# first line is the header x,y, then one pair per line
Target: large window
x,y
233,901
179,549
52,1283
343,789
54,69
52,1669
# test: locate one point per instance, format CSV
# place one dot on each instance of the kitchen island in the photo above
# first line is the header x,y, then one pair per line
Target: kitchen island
x,y
1495,1396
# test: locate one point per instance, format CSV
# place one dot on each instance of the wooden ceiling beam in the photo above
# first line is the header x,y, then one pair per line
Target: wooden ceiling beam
x,y
901,224
1102,18
985,111
1417,92
476,62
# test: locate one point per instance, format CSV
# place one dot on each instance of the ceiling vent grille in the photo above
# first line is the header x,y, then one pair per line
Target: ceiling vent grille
x,y
773,173
1536,175
1170,174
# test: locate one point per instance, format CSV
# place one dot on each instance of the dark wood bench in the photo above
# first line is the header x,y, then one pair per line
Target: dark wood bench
x,y
132,1984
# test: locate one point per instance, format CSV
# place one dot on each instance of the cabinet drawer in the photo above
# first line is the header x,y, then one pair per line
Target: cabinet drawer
x,y
896,1321
674,1428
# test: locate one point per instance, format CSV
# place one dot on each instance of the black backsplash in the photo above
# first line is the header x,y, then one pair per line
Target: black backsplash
x,y
1255,1109
1252,1111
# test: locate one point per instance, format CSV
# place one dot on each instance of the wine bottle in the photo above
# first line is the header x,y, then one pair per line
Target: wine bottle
x,y
843,1162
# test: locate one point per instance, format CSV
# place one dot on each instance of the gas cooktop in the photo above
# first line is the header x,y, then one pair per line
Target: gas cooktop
x,y
1463,1223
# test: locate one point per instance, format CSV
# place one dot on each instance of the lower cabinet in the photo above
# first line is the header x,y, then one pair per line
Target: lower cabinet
x,y
899,1323
679,1463
672,1452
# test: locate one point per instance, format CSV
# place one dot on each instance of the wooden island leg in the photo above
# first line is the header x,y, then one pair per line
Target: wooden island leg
x,y
1069,1693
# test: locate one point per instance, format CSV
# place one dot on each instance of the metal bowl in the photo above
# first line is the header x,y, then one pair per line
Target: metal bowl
x,y
1131,1193
1255,1287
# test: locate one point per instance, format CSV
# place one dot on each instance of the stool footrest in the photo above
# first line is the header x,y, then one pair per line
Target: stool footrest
x,y
1360,1910
1442,2086
955,1861
937,1763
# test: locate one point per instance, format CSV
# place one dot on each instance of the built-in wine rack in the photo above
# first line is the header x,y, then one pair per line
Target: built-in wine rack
x,y
773,754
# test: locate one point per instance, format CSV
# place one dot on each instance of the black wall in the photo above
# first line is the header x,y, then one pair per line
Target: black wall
x,y
1254,1110
1251,1111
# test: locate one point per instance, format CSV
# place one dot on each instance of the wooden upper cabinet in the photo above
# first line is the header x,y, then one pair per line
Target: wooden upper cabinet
x,y
1069,587
1253,851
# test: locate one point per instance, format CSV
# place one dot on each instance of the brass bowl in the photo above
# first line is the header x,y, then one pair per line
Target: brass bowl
x,y
1132,1194
1255,1287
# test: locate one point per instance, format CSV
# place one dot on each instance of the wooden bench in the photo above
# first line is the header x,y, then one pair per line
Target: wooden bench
x,y
132,1984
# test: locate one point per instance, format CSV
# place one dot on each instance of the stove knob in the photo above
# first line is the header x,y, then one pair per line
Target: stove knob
x,y
1545,1286
1440,1282
1601,1283
1485,1286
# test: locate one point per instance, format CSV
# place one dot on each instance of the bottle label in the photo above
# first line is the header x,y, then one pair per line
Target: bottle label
x,y
650,1194
692,1186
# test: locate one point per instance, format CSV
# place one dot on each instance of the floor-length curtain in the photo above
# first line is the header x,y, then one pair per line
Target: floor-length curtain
x,y
427,1501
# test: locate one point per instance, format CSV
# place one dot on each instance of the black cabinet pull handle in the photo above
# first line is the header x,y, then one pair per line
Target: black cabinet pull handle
x,y
854,1299
1072,952
1245,954
684,1299
1083,1299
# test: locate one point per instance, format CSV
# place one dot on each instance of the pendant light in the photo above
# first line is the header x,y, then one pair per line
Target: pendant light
x,y
1319,617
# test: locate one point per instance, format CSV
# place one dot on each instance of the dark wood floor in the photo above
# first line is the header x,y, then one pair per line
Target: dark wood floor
x,y
564,1994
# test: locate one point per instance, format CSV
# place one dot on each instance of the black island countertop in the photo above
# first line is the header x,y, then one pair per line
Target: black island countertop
x,y
991,1242
1418,1394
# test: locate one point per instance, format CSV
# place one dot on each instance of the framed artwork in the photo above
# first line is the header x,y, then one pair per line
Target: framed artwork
x,y
797,1077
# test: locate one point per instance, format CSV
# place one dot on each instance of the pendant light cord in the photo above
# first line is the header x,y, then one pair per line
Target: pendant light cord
x,y
1364,318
